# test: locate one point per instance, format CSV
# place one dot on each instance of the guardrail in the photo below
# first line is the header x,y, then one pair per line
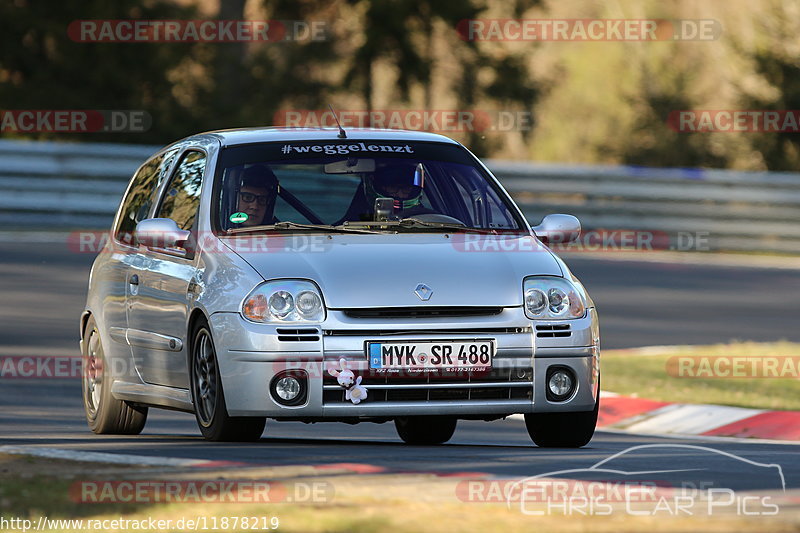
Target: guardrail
x,y
64,185
724,210
60,185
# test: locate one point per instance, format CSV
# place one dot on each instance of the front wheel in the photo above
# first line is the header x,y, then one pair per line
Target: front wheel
x,y
562,430
425,429
209,397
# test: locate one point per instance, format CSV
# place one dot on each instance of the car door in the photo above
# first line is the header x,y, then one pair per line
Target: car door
x,y
117,272
158,316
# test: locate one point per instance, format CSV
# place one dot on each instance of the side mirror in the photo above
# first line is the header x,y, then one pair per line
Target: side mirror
x,y
161,233
558,229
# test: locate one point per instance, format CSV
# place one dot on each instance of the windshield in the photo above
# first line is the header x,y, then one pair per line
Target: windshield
x,y
357,184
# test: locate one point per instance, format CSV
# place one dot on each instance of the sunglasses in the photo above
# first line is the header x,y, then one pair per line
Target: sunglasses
x,y
249,198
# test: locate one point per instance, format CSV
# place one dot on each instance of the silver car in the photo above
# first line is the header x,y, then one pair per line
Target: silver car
x,y
321,275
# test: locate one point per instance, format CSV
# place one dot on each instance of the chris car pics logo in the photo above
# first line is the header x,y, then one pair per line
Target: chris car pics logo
x,y
623,484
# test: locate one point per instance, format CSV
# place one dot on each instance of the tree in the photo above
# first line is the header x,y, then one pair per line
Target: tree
x,y
651,141
41,68
780,68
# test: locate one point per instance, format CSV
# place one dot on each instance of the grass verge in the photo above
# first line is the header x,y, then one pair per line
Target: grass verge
x,y
704,374
367,503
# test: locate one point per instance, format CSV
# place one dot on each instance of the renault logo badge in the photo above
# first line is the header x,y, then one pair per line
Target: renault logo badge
x,y
424,292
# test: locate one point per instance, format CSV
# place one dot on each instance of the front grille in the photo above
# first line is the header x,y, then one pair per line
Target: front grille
x,y
384,331
553,330
297,335
421,312
495,384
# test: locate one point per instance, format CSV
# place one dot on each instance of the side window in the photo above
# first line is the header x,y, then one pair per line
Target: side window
x,y
138,200
498,217
466,200
169,157
182,196
140,195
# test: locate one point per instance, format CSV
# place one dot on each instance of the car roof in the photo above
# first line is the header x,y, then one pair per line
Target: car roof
x,y
239,136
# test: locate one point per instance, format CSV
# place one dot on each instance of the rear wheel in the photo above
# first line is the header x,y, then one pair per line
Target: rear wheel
x,y
563,430
105,414
425,429
209,397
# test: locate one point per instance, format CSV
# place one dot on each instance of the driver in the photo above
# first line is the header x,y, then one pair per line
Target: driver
x,y
402,184
258,191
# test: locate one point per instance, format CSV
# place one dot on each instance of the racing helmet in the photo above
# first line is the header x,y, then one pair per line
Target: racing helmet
x,y
402,183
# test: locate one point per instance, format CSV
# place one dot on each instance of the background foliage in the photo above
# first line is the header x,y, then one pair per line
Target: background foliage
x,y
592,102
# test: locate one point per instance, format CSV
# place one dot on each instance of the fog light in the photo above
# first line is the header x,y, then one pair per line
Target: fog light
x,y
287,388
560,384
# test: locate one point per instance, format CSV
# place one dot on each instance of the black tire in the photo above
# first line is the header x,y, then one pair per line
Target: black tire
x,y
563,430
425,429
105,414
208,395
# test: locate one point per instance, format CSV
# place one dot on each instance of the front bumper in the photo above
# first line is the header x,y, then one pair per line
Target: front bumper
x,y
250,355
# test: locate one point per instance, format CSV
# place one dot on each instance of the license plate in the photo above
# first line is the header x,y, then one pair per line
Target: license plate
x,y
473,355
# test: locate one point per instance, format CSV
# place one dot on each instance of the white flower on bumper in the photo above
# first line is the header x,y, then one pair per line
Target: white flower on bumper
x,y
345,377
357,392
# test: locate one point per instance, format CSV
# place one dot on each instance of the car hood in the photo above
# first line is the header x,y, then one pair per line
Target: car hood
x,y
384,270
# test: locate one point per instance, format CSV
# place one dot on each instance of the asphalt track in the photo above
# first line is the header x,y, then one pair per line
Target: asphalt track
x,y
42,289
48,413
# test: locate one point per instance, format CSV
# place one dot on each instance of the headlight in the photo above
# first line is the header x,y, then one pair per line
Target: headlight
x,y
281,304
548,297
309,304
535,301
284,301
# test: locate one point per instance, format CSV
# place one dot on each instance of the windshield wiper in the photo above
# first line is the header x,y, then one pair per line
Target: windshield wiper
x,y
412,222
283,225
455,226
